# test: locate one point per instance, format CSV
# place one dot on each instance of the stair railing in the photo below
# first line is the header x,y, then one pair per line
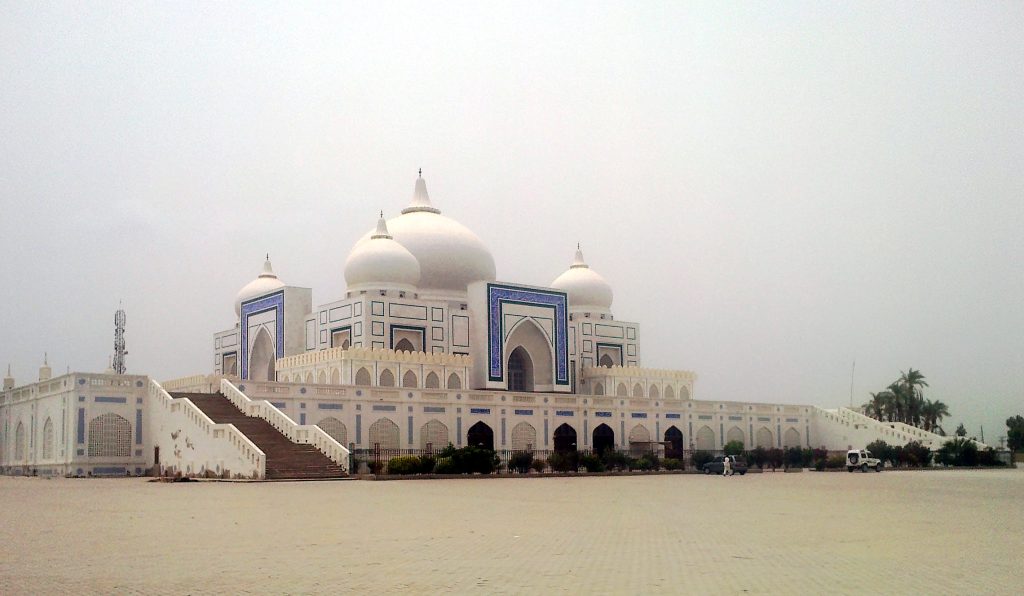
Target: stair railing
x,y
306,434
214,431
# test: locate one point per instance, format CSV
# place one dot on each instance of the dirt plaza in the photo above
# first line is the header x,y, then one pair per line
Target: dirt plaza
x,y
932,532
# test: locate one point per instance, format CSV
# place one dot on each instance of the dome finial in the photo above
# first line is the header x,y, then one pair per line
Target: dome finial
x,y
420,198
578,262
382,229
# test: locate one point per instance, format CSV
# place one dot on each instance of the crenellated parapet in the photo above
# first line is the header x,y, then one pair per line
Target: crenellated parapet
x,y
634,381
376,367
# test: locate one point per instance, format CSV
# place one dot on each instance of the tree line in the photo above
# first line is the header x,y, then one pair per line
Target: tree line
x,y
903,401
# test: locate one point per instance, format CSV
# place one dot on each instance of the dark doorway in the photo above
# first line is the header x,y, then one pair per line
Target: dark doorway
x,y
480,435
673,442
520,370
604,438
565,438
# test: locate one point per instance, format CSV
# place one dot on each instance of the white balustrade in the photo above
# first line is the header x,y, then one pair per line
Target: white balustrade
x,y
307,434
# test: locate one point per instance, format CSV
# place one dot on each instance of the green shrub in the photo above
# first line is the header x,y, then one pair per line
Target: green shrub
x,y
646,462
520,461
592,463
794,457
701,457
539,465
445,466
671,463
758,457
566,461
835,462
403,465
615,460
916,454
427,463
734,448
375,466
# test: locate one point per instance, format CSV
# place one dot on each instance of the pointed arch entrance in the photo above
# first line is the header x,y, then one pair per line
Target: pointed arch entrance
x,y
263,357
480,435
530,364
673,442
603,438
705,439
565,438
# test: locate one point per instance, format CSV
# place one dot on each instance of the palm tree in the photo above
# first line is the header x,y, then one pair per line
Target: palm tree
x,y
932,413
913,381
877,406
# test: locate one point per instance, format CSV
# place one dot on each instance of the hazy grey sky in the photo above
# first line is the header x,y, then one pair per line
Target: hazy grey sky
x,y
773,190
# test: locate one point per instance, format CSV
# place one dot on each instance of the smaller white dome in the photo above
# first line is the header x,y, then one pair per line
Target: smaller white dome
x,y
586,289
264,284
381,263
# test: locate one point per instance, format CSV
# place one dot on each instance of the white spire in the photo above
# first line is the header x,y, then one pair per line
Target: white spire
x,y
9,379
382,228
420,198
578,262
268,271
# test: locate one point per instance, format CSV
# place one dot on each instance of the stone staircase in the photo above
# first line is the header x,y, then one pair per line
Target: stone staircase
x,y
285,460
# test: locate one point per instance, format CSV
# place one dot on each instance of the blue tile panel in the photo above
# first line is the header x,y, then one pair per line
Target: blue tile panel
x,y
563,413
81,426
433,409
111,400
671,415
638,415
524,412
763,419
497,295
383,408
791,420
273,302
280,405
705,417
479,410
603,414
109,471
138,427
329,406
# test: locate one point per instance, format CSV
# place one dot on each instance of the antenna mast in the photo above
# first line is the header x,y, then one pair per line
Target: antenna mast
x,y
119,349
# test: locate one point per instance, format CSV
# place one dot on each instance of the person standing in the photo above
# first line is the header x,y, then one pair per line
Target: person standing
x,y
726,466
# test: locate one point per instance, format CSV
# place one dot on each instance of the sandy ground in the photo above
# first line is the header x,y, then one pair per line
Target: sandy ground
x,y
812,533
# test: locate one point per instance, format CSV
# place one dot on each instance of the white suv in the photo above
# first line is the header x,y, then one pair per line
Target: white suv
x,y
858,458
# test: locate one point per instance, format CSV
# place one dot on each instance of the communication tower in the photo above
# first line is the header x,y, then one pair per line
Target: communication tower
x,y
119,351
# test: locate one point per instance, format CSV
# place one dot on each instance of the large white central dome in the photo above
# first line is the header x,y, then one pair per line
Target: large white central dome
x,y
450,255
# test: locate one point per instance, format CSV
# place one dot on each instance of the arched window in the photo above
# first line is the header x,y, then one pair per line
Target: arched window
x,y
621,390
297,378
653,392
322,377
734,434
409,379
454,382
705,439
524,437
335,428
110,436
791,438
598,388
669,392
432,381
48,439
404,345
684,392
19,442
765,438
434,435
387,378
638,390
262,359
309,377
363,377
606,361
639,434
335,377
384,433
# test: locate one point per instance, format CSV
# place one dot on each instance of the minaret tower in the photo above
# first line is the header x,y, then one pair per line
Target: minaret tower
x,y
119,349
